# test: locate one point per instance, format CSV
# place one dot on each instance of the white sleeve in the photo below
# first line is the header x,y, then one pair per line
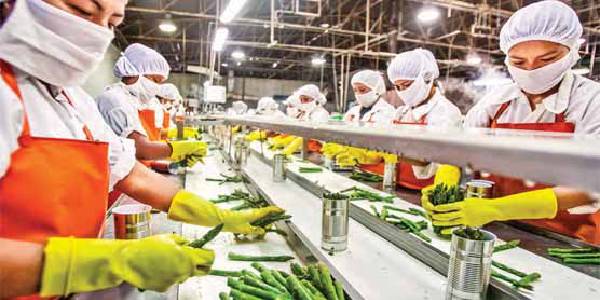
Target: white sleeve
x,y
320,116
121,150
591,118
477,116
11,124
425,172
120,116
448,116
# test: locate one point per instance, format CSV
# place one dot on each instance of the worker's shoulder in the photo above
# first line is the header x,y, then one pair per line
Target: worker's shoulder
x,y
499,94
585,89
444,104
113,95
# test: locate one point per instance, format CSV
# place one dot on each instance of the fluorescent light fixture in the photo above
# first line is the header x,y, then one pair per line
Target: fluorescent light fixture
x,y
224,65
428,15
237,54
580,41
275,65
491,81
220,38
318,61
324,25
167,25
232,9
239,63
473,59
581,71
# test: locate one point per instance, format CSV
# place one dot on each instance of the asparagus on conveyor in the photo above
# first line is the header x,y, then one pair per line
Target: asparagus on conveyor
x,y
209,236
366,177
240,257
224,179
587,256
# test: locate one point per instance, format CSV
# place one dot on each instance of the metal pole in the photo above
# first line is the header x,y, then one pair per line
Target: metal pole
x,y
272,22
367,25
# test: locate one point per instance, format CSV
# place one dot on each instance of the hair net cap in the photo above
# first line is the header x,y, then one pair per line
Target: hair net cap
x,y
370,78
266,103
292,100
138,60
412,64
312,91
239,107
548,20
169,91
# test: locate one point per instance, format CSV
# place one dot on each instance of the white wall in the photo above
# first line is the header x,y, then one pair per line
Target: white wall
x,y
103,75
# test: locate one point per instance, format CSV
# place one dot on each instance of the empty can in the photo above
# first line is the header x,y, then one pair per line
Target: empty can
x,y
470,266
335,221
480,189
279,167
240,152
389,176
132,221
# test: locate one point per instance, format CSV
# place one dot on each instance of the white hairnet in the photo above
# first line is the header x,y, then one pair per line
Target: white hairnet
x,y
409,65
370,78
312,91
548,20
266,103
292,100
239,107
169,91
138,60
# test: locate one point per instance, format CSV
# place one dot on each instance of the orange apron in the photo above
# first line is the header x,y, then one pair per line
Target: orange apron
x,y
147,120
53,187
166,120
584,226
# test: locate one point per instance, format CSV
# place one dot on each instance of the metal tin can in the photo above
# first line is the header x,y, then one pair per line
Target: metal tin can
x,y
335,221
132,221
479,189
389,176
279,167
470,267
239,152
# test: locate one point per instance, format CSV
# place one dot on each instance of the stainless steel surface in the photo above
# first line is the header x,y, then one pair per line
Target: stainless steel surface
x,y
334,223
389,177
279,172
575,160
470,267
132,221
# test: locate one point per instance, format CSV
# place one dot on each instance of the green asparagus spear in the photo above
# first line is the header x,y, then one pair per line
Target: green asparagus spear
x,y
374,210
384,214
263,294
239,257
304,170
508,245
223,296
209,236
297,289
510,280
267,276
315,277
250,274
312,289
239,295
259,284
508,269
270,219
571,250
339,290
576,255
224,273
527,280
587,261
298,270
327,282
279,277
258,266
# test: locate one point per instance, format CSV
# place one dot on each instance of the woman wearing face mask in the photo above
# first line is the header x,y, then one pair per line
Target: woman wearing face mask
x,y
130,107
58,160
369,87
311,102
540,41
267,106
291,106
413,74
170,100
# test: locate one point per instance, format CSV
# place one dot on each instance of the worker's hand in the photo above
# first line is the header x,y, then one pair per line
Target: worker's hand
x,y
445,174
330,150
293,147
188,132
350,157
236,129
73,265
370,157
281,141
193,151
540,204
389,158
190,208
255,136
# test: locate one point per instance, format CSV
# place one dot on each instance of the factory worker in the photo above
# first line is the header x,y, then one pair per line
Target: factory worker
x,y
238,108
129,106
171,100
414,74
267,106
58,160
540,43
291,106
310,107
369,87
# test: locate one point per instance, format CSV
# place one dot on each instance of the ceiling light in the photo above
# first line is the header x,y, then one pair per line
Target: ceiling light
x,y
318,61
239,63
237,54
428,15
473,59
167,25
580,41
274,65
324,25
232,9
220,38
581,71
224,65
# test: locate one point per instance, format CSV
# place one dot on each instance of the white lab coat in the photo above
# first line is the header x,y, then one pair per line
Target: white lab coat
x,y
317,115
438,111
119,108
53,117
276,114
381,112
577,97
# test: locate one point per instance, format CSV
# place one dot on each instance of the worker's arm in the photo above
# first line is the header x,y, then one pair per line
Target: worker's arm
x,y
149,150
569,198
21,265
146,186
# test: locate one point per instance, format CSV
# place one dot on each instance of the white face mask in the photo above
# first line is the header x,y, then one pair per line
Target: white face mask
x,y
540,80
292,112
416,92
52,45
144,89
367,99
308,107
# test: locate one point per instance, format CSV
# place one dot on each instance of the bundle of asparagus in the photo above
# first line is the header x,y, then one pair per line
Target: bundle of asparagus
x,y
402,223
357,194
365,176
590,256
443,194
523,280
310,170
224,178
313,282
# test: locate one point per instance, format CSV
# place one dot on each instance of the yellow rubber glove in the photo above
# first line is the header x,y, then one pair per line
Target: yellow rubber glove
x,y
190,208
236,129
188,132
446,174
255,136
389,158
185,149
293,147
73,265
330,150
371,157
281,141
350,157
540,204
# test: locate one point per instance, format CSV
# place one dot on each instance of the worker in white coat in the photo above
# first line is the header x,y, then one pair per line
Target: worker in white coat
x,y
369,87
310,107
58,160
129,106
267,106
238,108
414,74
291,105
541,46
171,102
